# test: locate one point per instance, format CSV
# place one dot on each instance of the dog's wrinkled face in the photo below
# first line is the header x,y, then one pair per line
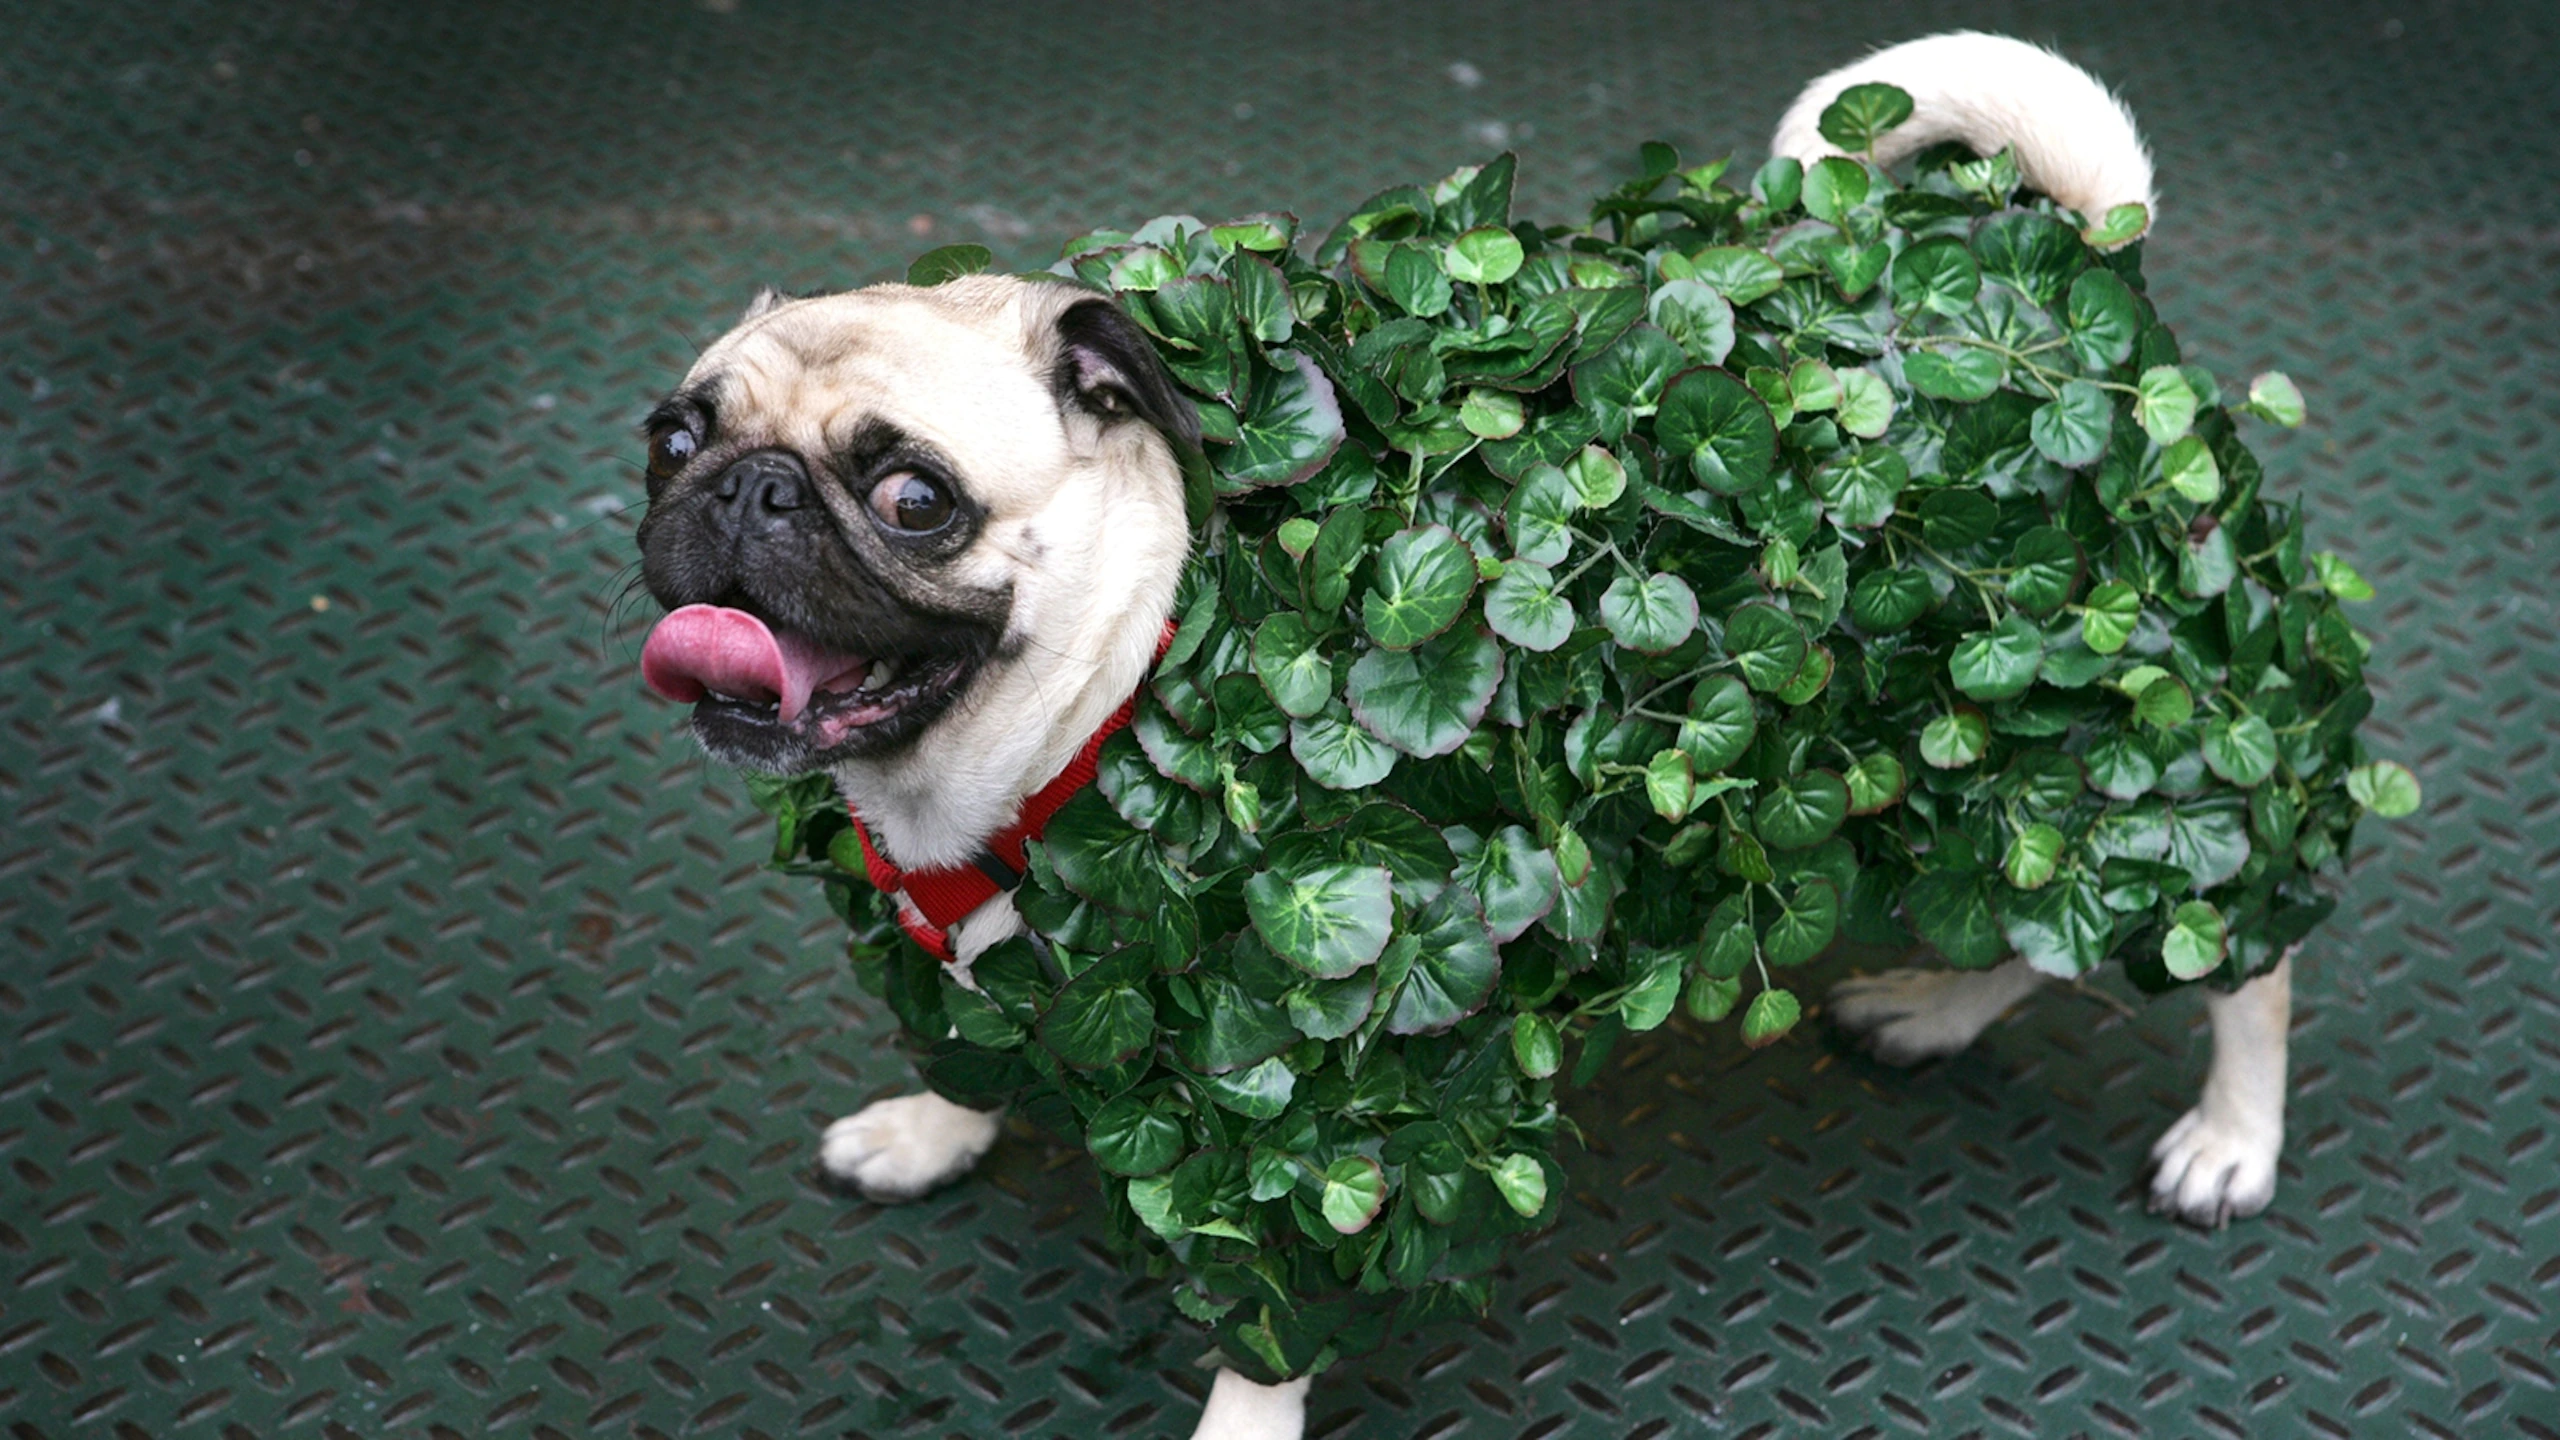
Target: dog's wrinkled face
x,y
872,513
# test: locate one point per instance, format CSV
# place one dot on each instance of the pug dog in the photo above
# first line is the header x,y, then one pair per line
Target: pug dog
x,y
927,541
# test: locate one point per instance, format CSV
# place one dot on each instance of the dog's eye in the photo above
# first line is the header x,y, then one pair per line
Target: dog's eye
x,y
668,451
910,504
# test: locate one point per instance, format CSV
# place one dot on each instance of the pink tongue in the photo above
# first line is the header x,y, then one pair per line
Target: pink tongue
x,y
703,649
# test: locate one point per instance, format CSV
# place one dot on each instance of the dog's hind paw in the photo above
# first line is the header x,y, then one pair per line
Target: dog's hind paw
x,y
1906,1016
2213,1171
904,1148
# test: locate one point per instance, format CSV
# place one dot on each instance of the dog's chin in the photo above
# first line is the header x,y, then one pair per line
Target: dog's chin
x,y
856,723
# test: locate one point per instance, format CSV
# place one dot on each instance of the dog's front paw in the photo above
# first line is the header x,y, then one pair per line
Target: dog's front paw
x,y
904,1148
2214,1170
1239,1409
1906,1016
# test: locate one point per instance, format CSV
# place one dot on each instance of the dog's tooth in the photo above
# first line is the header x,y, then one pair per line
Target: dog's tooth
x,y
882,672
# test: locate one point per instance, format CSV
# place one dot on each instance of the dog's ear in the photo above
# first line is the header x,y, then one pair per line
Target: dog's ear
x,y
1107,367
766,302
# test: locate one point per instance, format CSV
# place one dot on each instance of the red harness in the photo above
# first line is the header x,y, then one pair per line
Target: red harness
x,y
936,900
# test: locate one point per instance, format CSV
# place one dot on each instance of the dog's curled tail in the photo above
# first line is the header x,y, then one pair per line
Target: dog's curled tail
x,y
2073,139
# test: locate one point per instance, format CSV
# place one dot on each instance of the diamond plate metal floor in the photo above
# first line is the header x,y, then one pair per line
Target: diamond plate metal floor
x,y
400,1038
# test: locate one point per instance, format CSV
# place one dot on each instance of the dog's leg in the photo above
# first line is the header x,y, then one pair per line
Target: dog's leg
x,y
1238,1409
2218,1163
1907,1016
903,1148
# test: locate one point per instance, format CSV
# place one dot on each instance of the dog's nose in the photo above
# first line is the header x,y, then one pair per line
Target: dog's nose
x,y
758,488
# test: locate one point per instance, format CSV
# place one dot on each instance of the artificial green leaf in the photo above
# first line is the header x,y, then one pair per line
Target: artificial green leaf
x,y
1259,1092
2340,578
1292,666
1955,372
1597,477
1128,1137
1875,783
1862,114
1833,186
1766,644
1671,784
1771,1015
2209,839
1338,754
1523,1183
1415,281
1694,314
1954,519
2072,429
2033,852
1628,378
1422,582
2120,766
1152,1199
1937,276
1810,678
2208,562
1885,601
1331,1009
2104,319
2194,945
1514,880
1998,663
2108,617
950,262
2062,929
1490,414
1805,924
1454,968
1855,268
2036,254
1866,403
2043,567
1656,988
1488,255
1652,615
2385,787
1726,949
2241,751
1810,386
1951,909
1720,428
1709,999
2164,704
2163,405
1539,515
2189,467
1536,1047
2273,397
2120,224
1329,921
1289,431
1355,1187
1525,608
1104,1015
1102,857
1718,725
1780,182
1955,739
1859,485
1737,272
1803,811
1426,701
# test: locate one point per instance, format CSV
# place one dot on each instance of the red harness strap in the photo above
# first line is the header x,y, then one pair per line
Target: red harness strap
x,y
943,898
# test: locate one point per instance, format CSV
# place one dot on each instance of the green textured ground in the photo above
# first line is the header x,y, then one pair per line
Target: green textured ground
x,y
401,1040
